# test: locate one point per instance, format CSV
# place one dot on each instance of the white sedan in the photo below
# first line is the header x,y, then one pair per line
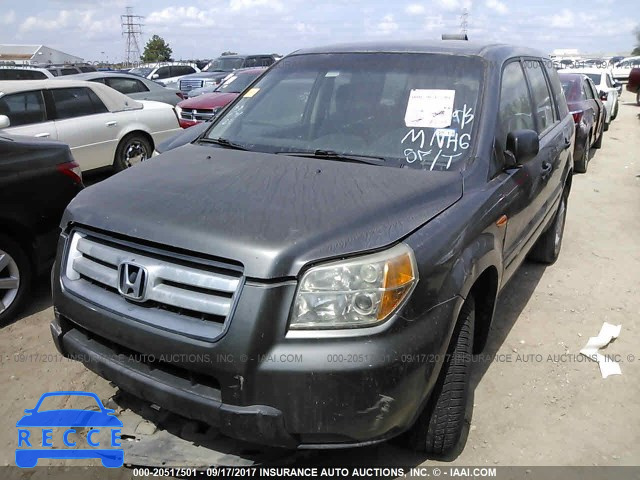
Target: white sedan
x,y
102,126
605,84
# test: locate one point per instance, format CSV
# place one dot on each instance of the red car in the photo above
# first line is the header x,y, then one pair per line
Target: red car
x,y
634,83
204,107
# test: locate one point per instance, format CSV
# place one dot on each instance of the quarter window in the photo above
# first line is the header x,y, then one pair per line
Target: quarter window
x,y
543,106
76,102
23,108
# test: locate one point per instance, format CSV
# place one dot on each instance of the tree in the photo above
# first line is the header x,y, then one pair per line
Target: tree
x,y
636,51
156,50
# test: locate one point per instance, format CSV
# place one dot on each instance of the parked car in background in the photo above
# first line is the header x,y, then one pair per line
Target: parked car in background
x,y
69,69
38,178
622,70
366,201
133,86
102,126
606,87
633,85
204,107
167,74
219,68
588,114
24,73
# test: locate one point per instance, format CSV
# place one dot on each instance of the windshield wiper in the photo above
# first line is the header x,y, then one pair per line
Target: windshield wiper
x,y
223,142
342,157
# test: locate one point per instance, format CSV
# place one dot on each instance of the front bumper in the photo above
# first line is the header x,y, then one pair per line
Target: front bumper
x,y
257,384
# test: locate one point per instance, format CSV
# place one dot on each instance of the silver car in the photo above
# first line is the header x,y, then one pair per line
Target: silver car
x,y
132,86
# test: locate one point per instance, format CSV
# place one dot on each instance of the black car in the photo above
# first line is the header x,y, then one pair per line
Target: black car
x,y
331,251
38,179
588,114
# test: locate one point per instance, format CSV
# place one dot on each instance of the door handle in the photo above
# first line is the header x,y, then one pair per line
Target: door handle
x,y
567,143
43,135
546,169
113,123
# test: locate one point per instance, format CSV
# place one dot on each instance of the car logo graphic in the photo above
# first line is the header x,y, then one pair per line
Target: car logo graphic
x,y
35,430
132,281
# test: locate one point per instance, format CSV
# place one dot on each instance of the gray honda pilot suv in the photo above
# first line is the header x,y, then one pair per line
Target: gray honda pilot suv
x,y
318,267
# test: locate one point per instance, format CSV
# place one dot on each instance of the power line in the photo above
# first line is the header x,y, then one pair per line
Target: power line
x,y
132,30
464,21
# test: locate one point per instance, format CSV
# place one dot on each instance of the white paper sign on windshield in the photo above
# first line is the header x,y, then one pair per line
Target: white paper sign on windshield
x,y
429,108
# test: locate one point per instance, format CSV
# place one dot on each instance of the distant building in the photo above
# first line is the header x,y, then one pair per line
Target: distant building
x,y
34,54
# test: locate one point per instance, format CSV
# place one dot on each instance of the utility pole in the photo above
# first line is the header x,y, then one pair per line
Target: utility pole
x,y
464,21
131,29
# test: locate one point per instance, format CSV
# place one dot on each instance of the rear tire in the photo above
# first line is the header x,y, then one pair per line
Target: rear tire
x,y
439,426
583,164
606,126
547,248
638,97
598,144
615,111
15,278
132,149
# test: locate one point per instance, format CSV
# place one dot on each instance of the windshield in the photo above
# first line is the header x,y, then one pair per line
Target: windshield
x,y
413,110
141,71
223,64
237,83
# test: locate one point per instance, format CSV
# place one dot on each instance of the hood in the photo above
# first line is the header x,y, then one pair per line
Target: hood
x,y
208,100
187,135
272,213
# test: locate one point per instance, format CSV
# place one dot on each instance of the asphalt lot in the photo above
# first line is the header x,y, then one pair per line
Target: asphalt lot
x,y
537,402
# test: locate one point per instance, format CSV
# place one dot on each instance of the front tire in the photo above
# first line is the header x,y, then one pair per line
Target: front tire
x,y
615,112
440,425
598,144
132,149
547,248
15,278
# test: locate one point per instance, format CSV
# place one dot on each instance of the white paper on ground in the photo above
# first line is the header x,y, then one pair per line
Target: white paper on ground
x,y
429,108
607,333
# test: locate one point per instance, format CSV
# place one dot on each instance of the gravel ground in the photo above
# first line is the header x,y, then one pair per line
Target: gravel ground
x,y
534,405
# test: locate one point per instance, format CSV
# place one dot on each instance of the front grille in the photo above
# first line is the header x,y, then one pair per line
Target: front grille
x,y
196,114
188,84
200,297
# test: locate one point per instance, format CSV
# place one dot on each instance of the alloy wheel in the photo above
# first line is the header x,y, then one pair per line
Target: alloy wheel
x,y
9,280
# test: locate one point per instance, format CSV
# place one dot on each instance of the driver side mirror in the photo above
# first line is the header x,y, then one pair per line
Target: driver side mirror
x,y
155,76
4,121
522,146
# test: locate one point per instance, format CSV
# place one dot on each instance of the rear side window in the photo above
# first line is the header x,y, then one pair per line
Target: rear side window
x,y
556,88
54,72
541,96
126,85
23,108
515,105
76,102
87,69
68,71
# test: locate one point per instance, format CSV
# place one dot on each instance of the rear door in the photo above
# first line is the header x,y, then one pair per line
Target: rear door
x,y
596,105
555,140
84,122
28,114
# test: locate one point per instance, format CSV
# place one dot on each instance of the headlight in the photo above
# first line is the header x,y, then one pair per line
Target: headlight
x,y
358,292
209,83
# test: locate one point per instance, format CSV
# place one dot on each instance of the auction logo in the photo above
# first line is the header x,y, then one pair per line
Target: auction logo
x,y
36,438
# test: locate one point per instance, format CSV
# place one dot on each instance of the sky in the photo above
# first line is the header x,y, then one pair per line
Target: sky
x,y
206,28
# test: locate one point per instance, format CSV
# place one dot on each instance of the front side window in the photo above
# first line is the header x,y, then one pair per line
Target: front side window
x,y
543,105
515,105
23,108
76,102
410,110
163,72
68,71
